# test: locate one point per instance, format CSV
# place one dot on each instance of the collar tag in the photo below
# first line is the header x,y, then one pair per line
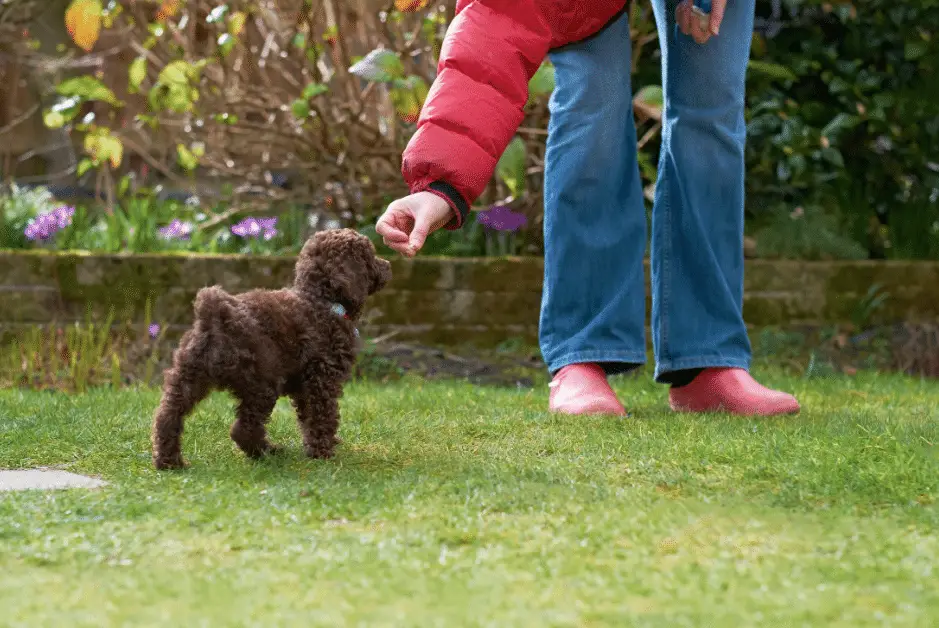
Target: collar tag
x,y
339,310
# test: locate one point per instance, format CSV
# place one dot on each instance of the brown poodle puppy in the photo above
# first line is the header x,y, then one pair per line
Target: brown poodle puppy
x,y
300,342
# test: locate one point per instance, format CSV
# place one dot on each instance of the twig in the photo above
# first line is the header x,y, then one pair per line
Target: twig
x,y
219,218
153,163
647,137
532,131
18,120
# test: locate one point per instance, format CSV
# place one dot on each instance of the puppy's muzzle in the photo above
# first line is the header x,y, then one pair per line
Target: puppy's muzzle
x,y
383,276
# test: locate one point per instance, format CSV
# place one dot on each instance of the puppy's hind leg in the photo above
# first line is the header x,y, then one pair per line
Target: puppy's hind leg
x,y
182,390
249,429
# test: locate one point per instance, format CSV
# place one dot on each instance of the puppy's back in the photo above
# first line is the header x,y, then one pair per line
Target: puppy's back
x,y
214,307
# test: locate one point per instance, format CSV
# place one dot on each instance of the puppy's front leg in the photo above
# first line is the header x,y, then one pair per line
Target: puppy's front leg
x,y
318,419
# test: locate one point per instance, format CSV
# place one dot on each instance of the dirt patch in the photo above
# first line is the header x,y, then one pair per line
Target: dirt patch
x,y
908,348
389,362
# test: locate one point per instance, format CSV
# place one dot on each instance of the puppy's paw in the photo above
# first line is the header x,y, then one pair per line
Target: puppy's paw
x,y
262,451
169,463
321,452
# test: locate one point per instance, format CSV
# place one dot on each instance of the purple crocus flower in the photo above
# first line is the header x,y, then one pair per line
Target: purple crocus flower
x,y
44,226
269,225
176,230
256,227
501,218
153,330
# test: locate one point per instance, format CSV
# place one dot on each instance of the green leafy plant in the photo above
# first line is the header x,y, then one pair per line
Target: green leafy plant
x,y
806,233
844,115
868,306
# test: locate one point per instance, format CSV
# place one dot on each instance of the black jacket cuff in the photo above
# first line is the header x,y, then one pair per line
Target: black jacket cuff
x,y
456,199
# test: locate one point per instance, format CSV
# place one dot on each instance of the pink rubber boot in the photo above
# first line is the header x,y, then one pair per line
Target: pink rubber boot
x,y
730,390
583,389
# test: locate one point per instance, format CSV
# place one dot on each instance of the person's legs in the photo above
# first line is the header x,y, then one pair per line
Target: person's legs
x,y
593,305
697,222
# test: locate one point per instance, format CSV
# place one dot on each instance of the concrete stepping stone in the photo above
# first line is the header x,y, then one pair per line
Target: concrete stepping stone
x,y
44,480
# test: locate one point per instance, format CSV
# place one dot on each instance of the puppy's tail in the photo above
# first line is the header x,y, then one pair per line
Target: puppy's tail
x,y
214,308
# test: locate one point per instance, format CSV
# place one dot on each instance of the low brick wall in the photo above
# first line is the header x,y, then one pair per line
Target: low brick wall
x,y
432,300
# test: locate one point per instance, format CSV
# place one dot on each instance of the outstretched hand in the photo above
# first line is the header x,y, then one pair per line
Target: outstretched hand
x,y
699,28
408,221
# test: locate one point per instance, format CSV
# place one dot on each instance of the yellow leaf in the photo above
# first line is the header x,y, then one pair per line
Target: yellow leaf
x,y
236,23
168,9
102,146
117,153
185,158
408,6
83,22
54,120
91,147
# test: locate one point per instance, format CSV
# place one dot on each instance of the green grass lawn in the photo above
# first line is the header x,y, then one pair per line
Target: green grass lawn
x,y
454,505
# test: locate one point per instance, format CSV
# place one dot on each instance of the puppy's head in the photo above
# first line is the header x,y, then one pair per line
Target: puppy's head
x,y
341,265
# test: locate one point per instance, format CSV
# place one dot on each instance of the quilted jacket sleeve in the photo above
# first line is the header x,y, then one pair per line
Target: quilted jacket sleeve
x,y
475,105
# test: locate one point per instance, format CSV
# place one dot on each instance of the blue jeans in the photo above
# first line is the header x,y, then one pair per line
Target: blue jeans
x,y
593,304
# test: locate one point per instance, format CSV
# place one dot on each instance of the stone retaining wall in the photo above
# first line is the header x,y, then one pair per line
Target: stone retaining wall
x,y
431,300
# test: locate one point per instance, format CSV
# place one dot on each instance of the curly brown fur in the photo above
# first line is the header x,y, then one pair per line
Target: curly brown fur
x,y
265,344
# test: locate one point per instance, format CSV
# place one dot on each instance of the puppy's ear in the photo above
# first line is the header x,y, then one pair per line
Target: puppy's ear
x,y
316,242
306,272
309,249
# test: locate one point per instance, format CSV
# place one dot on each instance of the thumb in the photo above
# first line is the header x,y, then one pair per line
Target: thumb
x,y
422,227
717,15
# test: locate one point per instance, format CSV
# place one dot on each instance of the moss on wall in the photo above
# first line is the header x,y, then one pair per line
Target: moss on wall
x,y
431,300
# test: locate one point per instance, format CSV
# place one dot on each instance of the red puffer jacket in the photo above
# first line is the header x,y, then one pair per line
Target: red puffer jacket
x,y
491,51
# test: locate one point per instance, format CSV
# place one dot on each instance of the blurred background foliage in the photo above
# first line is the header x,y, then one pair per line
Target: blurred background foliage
x,y
172,124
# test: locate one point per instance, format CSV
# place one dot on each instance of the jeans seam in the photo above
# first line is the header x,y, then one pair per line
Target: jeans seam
x,y
666,270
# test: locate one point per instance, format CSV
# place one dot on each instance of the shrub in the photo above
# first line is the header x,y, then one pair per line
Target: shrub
x,y
851,123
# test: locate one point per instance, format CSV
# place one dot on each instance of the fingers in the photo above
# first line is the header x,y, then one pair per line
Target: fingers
x,y
393,227
400,247
683,16
698,28
717,15
422,228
